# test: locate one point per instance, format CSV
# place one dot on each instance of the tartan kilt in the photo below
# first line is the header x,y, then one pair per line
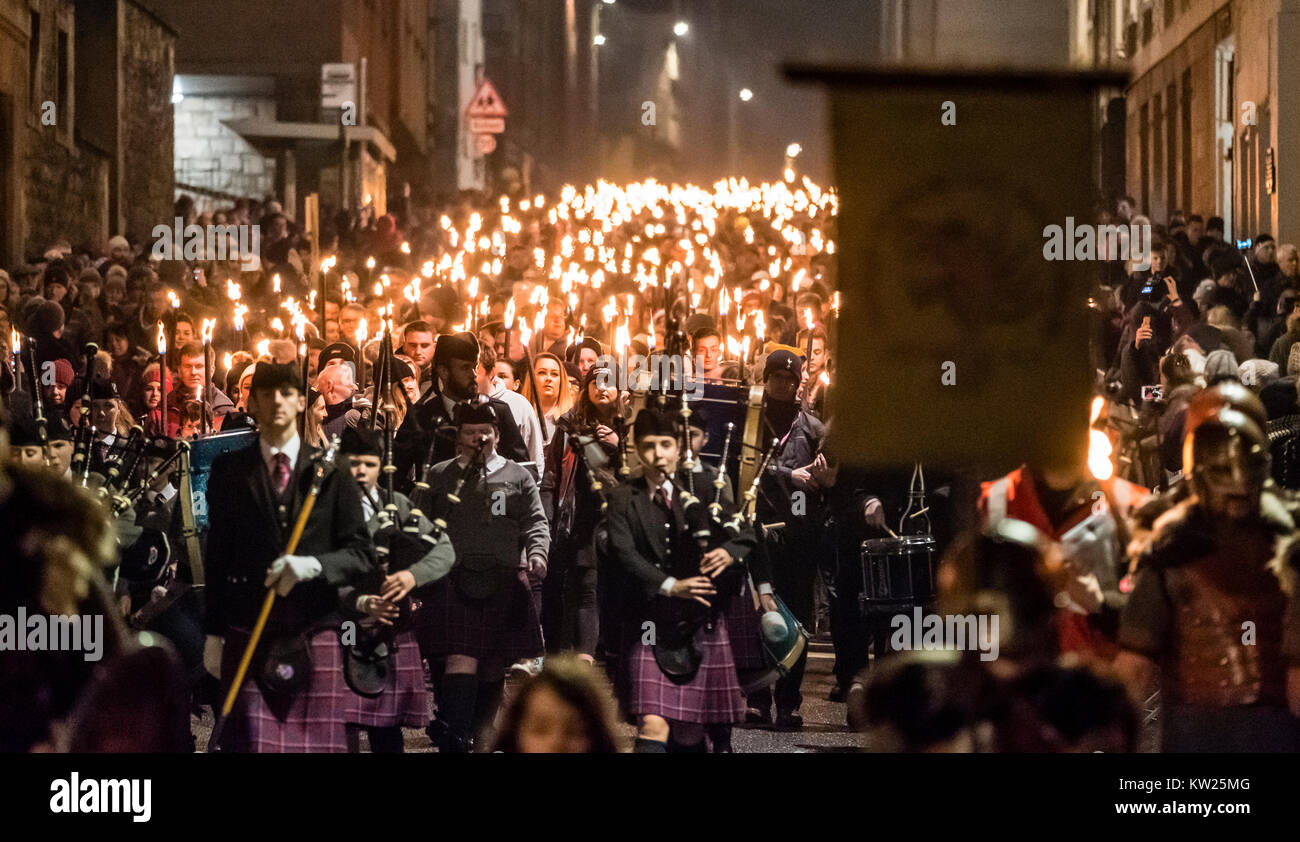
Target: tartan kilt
x,y
404,701
744,631
713,696
313,720
503,626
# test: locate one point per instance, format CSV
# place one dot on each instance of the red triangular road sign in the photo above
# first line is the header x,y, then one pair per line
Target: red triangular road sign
x,y
486,102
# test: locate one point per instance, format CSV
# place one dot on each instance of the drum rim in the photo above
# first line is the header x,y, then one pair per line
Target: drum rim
x,y
872,544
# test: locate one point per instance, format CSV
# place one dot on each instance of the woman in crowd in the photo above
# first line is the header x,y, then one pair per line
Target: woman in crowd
x,y
552,388
565,709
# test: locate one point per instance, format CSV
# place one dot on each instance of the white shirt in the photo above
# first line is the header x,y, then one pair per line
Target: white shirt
x,y
525,419
370,503
494,463
290,449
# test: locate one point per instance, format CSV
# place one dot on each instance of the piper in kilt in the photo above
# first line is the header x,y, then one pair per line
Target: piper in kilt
x,y
482,618
648,541
403,701
295,694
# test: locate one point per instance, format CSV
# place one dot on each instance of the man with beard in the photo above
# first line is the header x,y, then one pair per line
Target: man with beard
x,y
417,343
427,435
1212,604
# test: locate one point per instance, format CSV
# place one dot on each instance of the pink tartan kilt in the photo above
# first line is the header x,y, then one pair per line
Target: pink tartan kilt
x,y
504,626
712,696
404,702
744,631
312,722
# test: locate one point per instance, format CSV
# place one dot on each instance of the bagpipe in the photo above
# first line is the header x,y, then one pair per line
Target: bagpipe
x,y
38,402
399,543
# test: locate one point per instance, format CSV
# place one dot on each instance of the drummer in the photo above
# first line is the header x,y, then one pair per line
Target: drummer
x,y
789,493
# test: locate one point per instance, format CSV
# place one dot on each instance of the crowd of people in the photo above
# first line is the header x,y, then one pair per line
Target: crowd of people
x,y
429,440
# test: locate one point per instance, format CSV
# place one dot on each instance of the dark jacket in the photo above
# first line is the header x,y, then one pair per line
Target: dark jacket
x,y
571,506
641,542
247,531
428,436
478,526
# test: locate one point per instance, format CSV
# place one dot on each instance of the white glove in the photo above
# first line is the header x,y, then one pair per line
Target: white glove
x,y
288,570
213,646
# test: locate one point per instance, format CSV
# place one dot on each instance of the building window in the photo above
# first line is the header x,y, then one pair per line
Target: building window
x,y
65,78
1148,23
1169,12
34,86
1171,152
1144,157
1185,109
1158,158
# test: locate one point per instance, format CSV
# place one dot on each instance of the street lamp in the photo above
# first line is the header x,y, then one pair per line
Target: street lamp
x,y
599,40
681,28
746,94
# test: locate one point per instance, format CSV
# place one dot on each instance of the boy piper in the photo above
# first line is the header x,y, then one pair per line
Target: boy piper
x,y
403,701
295,695
647,534
483,617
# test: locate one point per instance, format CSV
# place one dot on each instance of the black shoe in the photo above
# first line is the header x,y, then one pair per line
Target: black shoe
x,y
788,720
436,731
754,716
836,694
454,744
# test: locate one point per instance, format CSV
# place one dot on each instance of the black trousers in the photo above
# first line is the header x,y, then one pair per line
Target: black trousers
x,y
794,572
570,614
854,632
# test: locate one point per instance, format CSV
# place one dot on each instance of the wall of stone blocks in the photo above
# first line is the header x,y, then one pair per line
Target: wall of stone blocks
x,y
212,156
148,58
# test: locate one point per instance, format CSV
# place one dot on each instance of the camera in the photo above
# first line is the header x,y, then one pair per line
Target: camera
x,y
1245,244
1153,393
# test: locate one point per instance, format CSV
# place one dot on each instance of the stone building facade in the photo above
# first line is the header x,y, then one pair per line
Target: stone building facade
x,y
213,160
85,123
1212,108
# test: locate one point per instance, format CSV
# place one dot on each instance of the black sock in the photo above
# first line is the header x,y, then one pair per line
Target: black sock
x,y
644,746
456,707
386,740
720,737
675,747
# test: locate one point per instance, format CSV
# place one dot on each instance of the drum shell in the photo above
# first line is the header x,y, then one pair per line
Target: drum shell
x,y
898,572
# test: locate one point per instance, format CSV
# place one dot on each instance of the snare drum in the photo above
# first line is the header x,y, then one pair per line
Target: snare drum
x,y
897,572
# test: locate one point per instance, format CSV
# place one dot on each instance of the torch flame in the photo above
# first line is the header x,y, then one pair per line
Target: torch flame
x,y
162,339
622,339
363,332
226,361
264,348
275,284
1099,446
209,325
